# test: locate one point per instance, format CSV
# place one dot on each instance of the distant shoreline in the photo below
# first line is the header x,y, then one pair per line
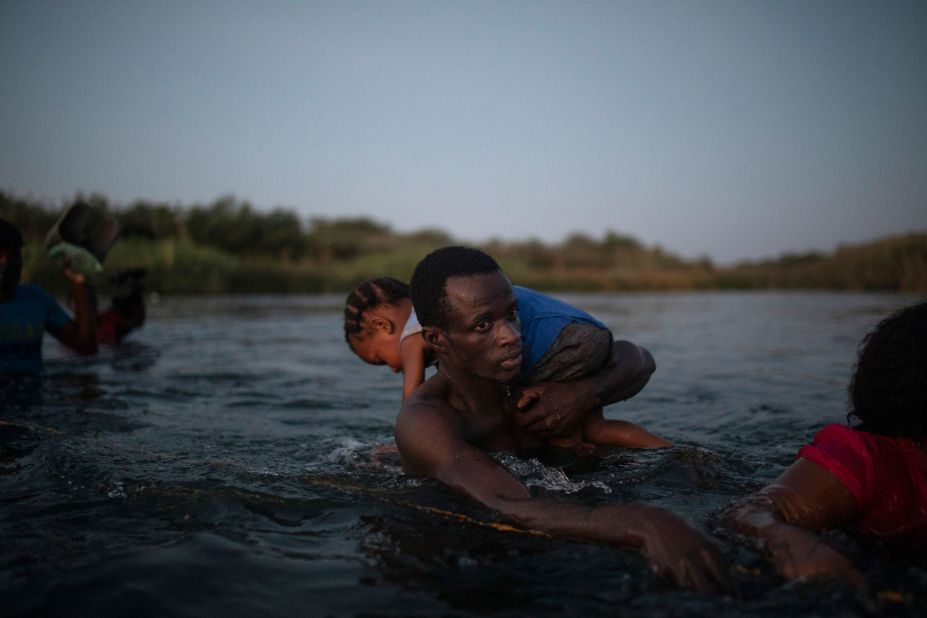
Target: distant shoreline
x,y
230,248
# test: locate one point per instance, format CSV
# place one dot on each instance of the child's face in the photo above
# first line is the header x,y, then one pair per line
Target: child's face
x,y
379,348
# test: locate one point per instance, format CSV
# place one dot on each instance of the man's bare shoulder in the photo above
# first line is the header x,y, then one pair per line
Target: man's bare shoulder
x,y
430,400
427,428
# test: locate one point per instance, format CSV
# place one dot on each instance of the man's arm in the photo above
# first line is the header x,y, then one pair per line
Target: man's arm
x,y
554,409
779,519
80,334
430,443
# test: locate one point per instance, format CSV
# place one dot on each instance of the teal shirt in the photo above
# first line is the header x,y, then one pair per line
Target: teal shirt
x,y
23,321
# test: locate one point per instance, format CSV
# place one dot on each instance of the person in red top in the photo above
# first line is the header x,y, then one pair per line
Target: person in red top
x,y
127,311
871,477
886,476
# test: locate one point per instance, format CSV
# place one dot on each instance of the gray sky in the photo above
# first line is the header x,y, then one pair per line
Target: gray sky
x,y
733,129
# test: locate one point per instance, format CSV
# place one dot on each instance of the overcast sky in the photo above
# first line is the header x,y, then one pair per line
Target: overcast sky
x,y
733,129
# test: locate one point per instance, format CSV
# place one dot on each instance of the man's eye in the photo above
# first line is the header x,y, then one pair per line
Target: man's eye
x,y
512,315
483,325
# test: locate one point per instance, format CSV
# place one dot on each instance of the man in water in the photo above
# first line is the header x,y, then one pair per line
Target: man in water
x,y
27,311
446,428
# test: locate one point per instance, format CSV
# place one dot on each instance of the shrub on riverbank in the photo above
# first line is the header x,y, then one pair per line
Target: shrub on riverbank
x,y
229,247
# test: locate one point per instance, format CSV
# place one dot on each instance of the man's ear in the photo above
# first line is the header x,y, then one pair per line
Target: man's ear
x,y
435,338
381,324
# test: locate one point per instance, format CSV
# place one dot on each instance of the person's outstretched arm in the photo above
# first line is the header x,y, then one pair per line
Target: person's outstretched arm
x,y
780,519
80,334
552,409
430,443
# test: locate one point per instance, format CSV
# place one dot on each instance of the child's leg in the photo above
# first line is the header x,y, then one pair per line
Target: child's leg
x,y
606,432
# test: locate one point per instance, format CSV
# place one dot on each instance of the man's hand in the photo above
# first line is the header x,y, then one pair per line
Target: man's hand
x,y
677,551
553,409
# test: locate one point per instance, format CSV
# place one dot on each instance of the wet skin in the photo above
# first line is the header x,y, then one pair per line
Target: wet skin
x,y
483,332
446,427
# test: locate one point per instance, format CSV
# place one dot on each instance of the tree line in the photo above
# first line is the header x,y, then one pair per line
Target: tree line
x,y
229,246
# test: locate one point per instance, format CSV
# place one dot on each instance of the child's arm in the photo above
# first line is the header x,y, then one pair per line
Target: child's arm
x,y
412,351
607,432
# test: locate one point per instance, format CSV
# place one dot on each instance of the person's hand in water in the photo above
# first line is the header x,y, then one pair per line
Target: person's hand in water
x,y
797,554
677,551
782,517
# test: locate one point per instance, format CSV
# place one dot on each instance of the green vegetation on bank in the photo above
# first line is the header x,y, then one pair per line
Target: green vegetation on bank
x,y
230,247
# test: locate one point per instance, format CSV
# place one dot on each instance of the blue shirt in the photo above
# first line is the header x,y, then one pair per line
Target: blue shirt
x,y
23,320
542,318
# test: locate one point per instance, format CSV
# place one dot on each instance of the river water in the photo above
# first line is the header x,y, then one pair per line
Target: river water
x,y
231,459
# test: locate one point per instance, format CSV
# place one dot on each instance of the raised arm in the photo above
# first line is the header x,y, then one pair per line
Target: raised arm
x,y
431,445
80,334
554,408
780,519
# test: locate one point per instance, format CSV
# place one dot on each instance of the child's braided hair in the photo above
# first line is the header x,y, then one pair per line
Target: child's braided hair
x,y
369,294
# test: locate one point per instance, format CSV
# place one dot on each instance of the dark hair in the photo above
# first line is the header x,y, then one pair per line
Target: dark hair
x,y
369,294
130,290
10,237
888,392
429,292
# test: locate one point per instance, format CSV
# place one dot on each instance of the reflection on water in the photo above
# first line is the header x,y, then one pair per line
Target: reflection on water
x,y
235,458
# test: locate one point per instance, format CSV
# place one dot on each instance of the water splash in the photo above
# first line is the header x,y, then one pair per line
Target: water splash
x,y
533,473
378,456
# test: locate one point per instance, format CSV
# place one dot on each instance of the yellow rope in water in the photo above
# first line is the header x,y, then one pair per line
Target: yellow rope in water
x,y
358,489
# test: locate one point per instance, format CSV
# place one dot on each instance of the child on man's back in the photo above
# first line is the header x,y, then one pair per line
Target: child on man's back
x,y
378,329
560,343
